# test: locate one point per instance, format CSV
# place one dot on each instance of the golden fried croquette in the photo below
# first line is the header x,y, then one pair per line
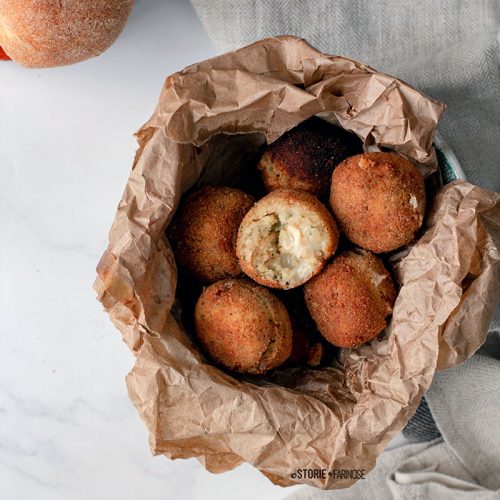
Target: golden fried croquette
x,y
203,232
286,238
379,200
243,326
351,298
305,156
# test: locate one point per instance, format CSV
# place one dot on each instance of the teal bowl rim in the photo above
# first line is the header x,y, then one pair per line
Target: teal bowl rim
x,y
448,163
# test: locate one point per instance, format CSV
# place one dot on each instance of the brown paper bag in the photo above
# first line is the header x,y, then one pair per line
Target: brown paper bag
x,y
322,427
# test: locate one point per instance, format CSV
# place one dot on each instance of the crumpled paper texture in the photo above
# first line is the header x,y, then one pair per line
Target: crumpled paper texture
x,y
209,120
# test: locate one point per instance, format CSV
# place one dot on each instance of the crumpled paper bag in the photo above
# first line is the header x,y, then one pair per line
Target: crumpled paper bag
x,y
312,426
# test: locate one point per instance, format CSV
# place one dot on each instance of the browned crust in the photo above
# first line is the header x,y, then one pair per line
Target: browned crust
x,y
243,326
371,198
304,157
346,305
42,34
203,232
287,197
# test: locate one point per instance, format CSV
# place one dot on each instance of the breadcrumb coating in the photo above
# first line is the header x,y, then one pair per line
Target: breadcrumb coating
x,y
304,157
351,299
378,200
203,232
243,326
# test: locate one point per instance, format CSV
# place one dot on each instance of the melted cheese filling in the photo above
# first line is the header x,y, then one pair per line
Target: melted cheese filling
x,y
413,202
287,246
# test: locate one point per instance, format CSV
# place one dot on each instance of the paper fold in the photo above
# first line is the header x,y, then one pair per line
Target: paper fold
x,y
210,119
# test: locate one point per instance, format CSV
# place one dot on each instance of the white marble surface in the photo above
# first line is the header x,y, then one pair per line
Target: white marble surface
x,y
67,428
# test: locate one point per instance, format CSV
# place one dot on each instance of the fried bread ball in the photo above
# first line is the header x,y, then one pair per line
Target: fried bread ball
x,y
379,200
243,326
351,298
286,238
305,156
203,232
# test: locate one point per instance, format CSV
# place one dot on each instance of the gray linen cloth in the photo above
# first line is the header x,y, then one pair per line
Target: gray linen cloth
x,y
449,50
463,464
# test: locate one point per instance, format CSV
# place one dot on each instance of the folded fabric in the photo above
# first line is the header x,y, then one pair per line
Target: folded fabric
x,y
464,463
421,427
465,404
435,472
